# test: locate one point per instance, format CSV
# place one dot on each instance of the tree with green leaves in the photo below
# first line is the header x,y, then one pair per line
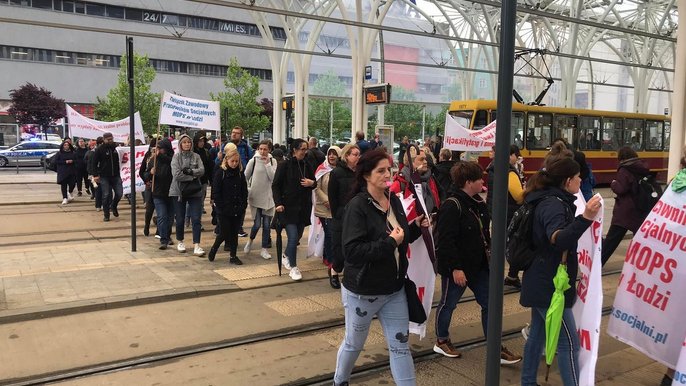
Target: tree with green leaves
x,y
240,98
35,105
115,105
329,84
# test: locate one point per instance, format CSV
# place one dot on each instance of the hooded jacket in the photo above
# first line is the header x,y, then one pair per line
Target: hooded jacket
x,y
287,191
624,186
65,170
163,170
260,176
369,251
205,157
442,175
554,213
230,192
106,161
183,159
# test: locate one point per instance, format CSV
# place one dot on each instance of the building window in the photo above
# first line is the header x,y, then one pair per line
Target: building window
x,y
79,7
95,9
115,12
134,14
43,4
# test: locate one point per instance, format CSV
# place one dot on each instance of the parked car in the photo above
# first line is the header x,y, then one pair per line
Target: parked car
x,y
28,153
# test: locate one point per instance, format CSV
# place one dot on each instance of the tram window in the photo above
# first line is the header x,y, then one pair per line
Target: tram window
x,y
589,133
565,125
538,134
633,135
480,120
654,135
613,129
668,130
463,117
516,127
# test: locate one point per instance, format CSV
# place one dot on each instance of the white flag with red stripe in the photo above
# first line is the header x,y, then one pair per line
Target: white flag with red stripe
x,y
420,269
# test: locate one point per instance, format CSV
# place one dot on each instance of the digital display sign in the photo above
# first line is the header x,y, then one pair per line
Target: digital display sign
x,y
377,94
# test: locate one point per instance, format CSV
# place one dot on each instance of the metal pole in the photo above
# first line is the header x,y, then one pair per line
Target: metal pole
x,y
331,124
424,123
132,139
381,109
502,143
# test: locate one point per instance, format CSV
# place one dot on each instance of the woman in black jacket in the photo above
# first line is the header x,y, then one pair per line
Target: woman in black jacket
x,y
340,183
66,170
555,235
376,236
292,191
463,245
230,196
158,173
147,193
81,172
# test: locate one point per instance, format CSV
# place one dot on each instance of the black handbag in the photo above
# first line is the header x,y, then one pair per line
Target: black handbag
x,y
190,188
415,308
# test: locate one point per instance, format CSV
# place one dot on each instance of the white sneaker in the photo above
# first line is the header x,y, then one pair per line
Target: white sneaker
x,y
181,247
265,254
197,251
98,209
525,331
285,263
65,201
248,244
295,274
70,197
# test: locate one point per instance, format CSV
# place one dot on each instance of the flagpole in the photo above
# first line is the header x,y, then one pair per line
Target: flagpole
x,y
132,139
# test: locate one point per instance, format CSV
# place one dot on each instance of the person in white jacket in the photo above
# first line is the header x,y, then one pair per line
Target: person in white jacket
x,y
259,172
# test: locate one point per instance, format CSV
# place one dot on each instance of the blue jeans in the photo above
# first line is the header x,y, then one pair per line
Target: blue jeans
x,y
264,221
107,184
293,232
392,312
567,348
450,296
165,209
194,209
328,242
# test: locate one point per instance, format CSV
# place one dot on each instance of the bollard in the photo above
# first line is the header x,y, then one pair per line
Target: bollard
x,y
16,160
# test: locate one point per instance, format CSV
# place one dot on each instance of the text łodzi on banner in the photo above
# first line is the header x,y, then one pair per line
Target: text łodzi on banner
x,y
84,127
588,308
647,312
459,138
189,112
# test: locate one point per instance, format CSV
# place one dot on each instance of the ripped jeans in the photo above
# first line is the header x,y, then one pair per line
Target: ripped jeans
x,y
392,313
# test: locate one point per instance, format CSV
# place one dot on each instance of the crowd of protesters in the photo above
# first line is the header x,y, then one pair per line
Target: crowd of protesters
x,y
353,194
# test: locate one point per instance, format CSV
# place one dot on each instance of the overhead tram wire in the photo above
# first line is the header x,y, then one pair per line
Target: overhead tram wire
x,y
331,55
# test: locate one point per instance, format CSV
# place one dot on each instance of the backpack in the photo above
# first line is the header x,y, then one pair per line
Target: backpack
x,y
648,192
519,247
435,221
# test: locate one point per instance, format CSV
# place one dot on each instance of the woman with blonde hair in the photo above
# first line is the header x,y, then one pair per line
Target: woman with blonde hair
x,y
230,197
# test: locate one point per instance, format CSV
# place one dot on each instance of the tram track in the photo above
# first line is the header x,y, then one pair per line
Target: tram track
x,y
271,336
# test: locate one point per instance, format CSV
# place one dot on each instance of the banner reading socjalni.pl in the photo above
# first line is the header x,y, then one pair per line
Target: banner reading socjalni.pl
x,y
648,312
189,112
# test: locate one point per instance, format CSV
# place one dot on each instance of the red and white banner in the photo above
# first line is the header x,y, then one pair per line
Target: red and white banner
x,y
588,308
647,313
460,138
84,127
420,269
125,166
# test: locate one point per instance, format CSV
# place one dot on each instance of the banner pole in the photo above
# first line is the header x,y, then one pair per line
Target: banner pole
x,y
132,139
154,159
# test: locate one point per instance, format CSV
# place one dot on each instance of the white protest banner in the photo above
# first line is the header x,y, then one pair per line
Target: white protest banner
x,y
680,371
460,138
420,269
84,127
124,153
647,312
588,308
189,112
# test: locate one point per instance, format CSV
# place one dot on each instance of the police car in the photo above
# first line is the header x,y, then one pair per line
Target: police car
x,y
28,153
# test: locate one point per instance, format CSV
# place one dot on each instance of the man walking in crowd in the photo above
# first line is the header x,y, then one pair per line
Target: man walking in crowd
x,y
376,142
362,143
106,174
315,156
245,153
